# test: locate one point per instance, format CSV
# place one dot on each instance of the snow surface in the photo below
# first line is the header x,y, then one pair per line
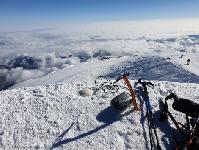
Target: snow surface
x,y
45,109
55,116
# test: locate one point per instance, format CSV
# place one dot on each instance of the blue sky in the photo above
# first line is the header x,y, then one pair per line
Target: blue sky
x,y
51,11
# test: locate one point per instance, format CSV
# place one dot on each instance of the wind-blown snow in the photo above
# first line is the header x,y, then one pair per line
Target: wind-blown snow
x,y
55,116
32,118
46,70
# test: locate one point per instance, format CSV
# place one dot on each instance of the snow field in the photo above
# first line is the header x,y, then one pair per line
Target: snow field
x,y
32,118
49,112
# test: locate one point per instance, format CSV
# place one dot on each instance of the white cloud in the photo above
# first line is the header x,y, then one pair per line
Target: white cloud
x,y
37,53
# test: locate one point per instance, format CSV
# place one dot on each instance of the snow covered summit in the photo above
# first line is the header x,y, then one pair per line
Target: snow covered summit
x,y
51,114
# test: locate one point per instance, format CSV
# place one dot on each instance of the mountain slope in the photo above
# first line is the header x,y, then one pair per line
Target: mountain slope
x,y
148,67
34,117
84,71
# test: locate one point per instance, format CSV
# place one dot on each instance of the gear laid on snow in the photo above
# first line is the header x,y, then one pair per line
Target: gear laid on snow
x,y
122,101
105,87
188,61
190,131
151,123
184,105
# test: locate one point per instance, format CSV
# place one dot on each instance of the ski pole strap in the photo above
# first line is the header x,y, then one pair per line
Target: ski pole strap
x,y
172,118
175,122
133,95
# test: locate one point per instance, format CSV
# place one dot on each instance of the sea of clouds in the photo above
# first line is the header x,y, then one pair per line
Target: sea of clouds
x,y
33,54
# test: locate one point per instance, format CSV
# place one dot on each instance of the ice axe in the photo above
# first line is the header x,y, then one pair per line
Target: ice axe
x,y
132,92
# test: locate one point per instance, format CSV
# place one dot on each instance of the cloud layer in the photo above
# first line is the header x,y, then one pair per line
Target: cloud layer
x,y
33,54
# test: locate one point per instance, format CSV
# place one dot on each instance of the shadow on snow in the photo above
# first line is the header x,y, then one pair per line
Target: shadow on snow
x,y
155,68
107,116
